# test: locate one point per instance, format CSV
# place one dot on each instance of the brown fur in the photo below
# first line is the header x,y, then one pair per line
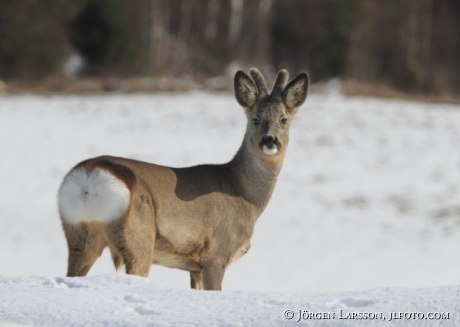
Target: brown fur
x,y
199,219
121,172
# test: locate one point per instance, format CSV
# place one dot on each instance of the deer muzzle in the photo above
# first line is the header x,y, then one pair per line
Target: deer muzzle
x,y
270,144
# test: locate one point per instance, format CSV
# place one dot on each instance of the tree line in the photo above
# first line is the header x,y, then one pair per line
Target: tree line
x,y
412,45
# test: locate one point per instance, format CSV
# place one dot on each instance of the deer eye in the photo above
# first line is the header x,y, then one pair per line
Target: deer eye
x,y
284,121
255,121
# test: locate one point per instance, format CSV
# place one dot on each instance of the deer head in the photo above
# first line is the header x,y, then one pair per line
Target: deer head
x,y
269,114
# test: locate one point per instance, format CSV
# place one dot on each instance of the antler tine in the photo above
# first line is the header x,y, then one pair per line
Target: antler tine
x,y
280,82
260,82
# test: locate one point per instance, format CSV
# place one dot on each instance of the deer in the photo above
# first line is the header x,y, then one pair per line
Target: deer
x,y
199,219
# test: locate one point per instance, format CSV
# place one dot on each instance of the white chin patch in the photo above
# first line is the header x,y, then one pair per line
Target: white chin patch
x,y
270,151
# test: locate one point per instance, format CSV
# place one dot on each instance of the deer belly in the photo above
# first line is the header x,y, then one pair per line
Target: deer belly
x,y
185,256
173,260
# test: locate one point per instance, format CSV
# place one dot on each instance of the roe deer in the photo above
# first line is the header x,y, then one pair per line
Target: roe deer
x,y
199,219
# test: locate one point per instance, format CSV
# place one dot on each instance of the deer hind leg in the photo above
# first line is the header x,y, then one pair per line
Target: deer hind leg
x,y
132,246
137,255
85,242
117,258
196,280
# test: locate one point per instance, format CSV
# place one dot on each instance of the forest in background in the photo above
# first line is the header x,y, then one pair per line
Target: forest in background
x,y
410,45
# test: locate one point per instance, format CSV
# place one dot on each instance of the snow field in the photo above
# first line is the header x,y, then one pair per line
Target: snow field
x,y
368,198
121,300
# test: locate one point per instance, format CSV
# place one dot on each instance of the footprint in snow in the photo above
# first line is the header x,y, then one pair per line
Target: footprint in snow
x,y
133,299
143,311
69,283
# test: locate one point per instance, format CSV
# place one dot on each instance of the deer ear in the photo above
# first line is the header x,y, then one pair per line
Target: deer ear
x,y
295,93
245,90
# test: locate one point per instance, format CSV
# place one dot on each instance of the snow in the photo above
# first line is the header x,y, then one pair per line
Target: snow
x,y
121,300
364,218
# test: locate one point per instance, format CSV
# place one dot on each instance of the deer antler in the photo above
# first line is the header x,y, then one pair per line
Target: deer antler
x,y
280,83
260,82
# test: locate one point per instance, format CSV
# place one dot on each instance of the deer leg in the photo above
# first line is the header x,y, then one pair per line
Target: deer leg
x,y
212,276
135,245
136,257
196,280
136,263
85,243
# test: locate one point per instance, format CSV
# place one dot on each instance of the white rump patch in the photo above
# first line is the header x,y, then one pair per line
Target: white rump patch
x,y
92,195
270,151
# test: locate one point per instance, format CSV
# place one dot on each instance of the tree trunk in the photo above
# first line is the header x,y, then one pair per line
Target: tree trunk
x,y
211,23
236,20
416,38
159,21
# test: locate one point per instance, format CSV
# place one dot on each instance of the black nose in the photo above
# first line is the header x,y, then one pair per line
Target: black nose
x,y
269,140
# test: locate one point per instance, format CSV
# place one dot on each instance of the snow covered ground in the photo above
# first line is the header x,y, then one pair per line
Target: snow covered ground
x,y
368,198
120,300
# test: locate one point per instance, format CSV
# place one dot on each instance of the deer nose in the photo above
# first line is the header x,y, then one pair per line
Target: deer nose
x,y
270,141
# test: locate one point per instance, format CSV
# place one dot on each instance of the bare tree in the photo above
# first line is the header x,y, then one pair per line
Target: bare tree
x,y
180,50
158,32
211,23
264,9
416,36
262,39
236,21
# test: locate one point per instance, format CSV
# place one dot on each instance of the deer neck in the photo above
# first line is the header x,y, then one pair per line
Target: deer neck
x,y
254,177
